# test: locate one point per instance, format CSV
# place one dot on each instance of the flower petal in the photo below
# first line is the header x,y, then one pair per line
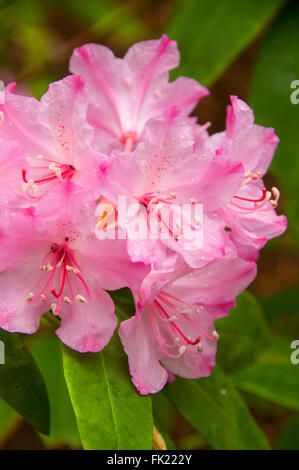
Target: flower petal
x,y
20,124
217,283
247,142
16,313
131,91
88,326
147,373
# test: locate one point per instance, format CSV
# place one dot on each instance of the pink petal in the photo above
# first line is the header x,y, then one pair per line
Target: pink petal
x,y
216,186
183,94
217,283
88,326
247,142
126,93
12,160
63,112
193,366
16,314
20,124
147,373
107,79
109,262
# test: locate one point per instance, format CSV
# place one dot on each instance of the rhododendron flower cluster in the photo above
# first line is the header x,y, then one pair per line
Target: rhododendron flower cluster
x,y
114,130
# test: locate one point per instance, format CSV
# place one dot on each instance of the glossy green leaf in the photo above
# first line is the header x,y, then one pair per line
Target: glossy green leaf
x,y
21,383
211,34
213,406
110,412
277,68
63,425
273,377
244,334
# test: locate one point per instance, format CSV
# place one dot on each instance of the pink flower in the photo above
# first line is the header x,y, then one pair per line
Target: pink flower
x,y
250,216
165,176
53,261
53,135
126,93
173,330
12,161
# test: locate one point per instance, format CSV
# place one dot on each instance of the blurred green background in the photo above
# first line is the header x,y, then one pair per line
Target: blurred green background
x,y
248,48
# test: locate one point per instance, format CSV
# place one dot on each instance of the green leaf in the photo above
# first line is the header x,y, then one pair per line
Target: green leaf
x,y
277,67
110,412
273,377
211,34
124,303
289,437
8,419
214,408
244,334
21,383
48,356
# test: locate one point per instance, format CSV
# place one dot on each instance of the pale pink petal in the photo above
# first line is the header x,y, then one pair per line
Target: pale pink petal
x,y
195,365
126,93
250,223
109,262
197,252
146,358
247,142
88,326
108,81
173,266
63,112
165,153
20,124
183,94
217,283
216,186
146,372
17,282
150,62
254,229
12,160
